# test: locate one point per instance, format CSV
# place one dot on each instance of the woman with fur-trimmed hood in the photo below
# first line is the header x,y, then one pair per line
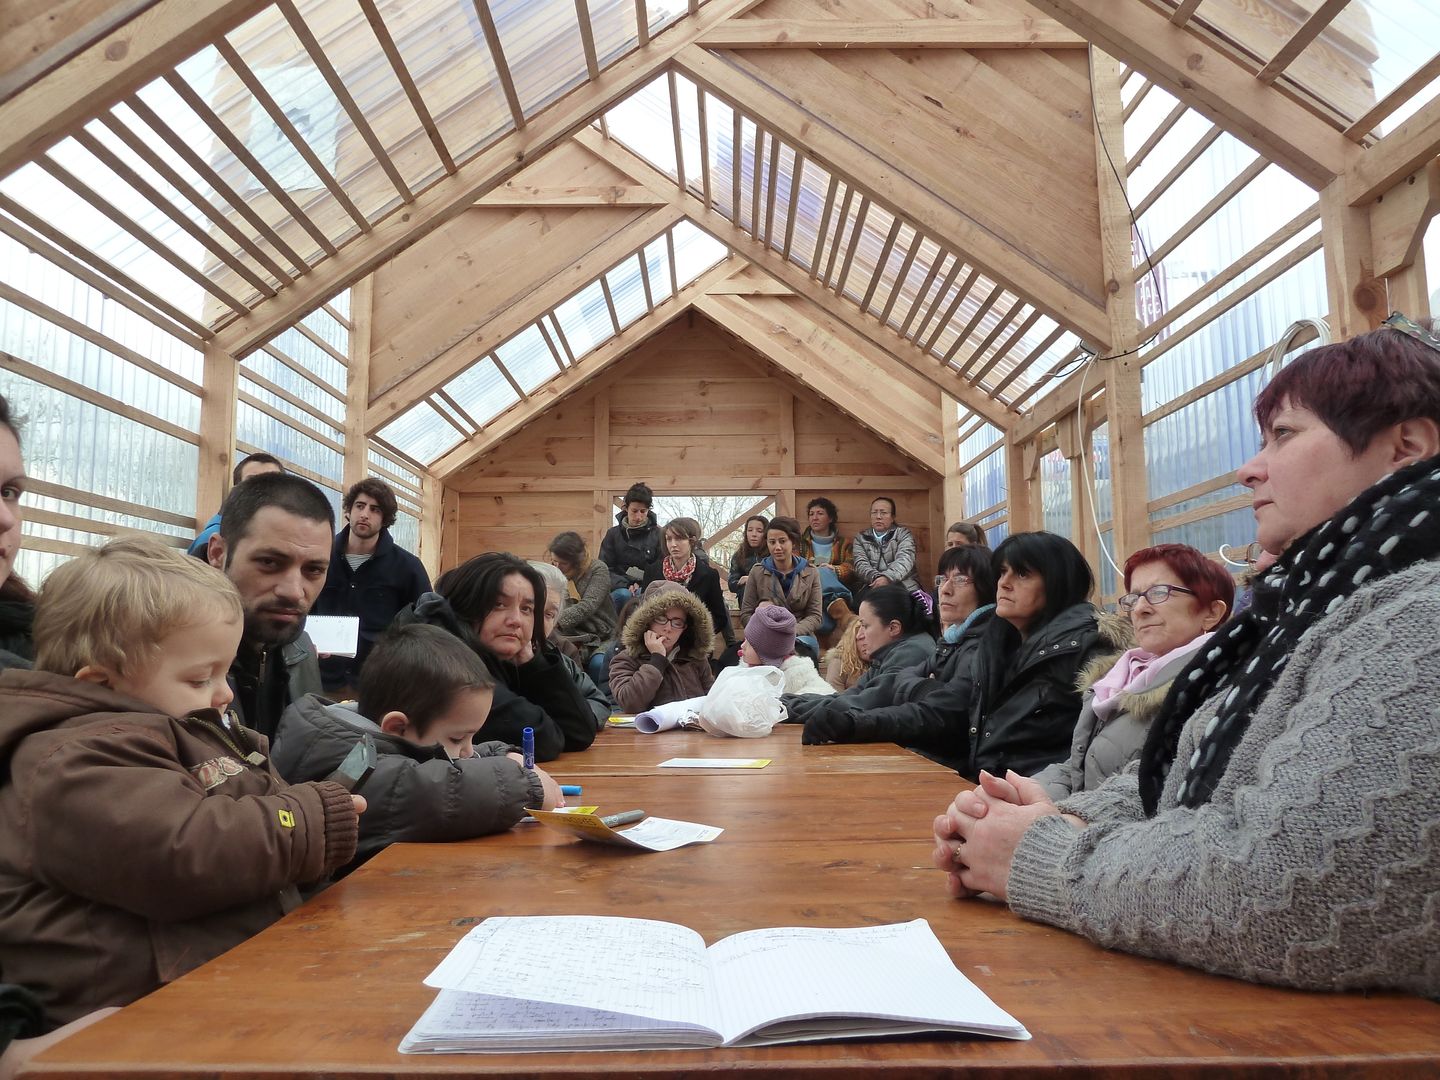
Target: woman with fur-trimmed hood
x,y
1175,598
664,651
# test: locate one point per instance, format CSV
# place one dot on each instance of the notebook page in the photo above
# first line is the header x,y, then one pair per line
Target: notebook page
x,y
895,972
636,966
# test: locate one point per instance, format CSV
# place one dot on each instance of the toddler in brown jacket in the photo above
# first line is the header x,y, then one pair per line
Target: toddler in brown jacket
x,y
142,830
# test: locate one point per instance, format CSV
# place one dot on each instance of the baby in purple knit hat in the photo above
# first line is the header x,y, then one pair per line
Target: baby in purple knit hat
x,y
770,641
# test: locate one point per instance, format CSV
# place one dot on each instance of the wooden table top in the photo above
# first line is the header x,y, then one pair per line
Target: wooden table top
x,y
824,836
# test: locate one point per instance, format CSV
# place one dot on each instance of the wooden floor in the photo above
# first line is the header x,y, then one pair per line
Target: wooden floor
x,y
824,836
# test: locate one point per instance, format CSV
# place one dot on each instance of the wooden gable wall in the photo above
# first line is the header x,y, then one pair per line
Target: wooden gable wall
x,y
691,411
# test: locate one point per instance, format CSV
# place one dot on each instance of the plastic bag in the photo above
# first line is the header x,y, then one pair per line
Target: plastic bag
x,y
744,702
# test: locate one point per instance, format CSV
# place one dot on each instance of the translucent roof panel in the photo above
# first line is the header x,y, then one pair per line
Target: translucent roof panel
x,y
528,358
421,432
482,391
695,252
542,45
585,319
657,264
627,290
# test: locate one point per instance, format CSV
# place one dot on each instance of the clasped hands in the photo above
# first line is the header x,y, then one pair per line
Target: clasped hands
x,y
976,837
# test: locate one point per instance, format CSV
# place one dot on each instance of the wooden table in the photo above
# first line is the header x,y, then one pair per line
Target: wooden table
x,y
825,836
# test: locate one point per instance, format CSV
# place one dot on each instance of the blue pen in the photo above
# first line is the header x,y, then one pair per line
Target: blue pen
x,y
527,746
569,789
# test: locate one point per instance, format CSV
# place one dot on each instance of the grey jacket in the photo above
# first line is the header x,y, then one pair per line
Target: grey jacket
x,y
416,793
590,621
594,697
895,558
1098,749
1315,862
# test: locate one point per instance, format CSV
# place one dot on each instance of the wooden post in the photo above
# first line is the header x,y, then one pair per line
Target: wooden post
x,y
217,431
1121,376
432,524
603,507
1358,301
785,498
1020,461
1398,223
357,386
953,487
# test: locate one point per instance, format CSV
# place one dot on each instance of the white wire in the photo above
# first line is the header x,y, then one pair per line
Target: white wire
x,y
1087,479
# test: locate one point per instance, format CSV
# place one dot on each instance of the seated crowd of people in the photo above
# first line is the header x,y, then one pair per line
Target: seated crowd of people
x,y
1253,794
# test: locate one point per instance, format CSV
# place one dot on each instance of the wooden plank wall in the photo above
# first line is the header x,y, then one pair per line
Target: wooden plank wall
x,y
690,411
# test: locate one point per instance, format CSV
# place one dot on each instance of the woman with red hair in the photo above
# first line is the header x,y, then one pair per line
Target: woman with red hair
x,y
1175,598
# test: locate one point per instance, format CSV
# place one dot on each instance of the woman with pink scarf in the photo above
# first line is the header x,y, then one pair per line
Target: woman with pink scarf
x,y
1175,598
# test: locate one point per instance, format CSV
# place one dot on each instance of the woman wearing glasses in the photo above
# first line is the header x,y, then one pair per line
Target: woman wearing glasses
x,y
664,650
1283,821
924,707
1175,598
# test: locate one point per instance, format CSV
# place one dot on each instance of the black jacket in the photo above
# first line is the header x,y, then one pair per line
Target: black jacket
x,y
266,685
1023,710
538,695
704,583
925,707
381,586
624,549
876,686
16,617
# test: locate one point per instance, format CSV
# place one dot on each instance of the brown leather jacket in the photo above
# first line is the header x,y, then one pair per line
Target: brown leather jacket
x,y
135,847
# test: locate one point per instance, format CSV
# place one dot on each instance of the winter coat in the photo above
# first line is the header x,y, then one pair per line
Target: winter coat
x,y
704,583
138,846
640,679
804,600
589,622
1024,708
16,617
594,697
1100,749
375,591
886,663
801,677
894,558
539,695
416,793
741,563
842,556
627,552
267,685
923,708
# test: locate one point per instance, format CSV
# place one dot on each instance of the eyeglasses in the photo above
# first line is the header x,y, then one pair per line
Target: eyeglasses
x,y
1396,321
676,624
953,581
1155,594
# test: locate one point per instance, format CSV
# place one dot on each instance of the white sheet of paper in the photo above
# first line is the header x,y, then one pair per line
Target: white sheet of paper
x,y
334,635
715,763
666,834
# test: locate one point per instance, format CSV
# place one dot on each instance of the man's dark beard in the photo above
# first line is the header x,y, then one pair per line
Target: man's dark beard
x,y
260,632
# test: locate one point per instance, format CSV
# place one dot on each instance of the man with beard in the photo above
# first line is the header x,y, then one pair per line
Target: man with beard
x,y
370,576
274,544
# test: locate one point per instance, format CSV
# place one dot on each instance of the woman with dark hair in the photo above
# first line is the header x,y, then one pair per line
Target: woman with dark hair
x,y
885,552
665,650
1024,703
495,604
830,554
587,619
685,564
1283,821
1175,598
786,577
751,550
926,707
17,601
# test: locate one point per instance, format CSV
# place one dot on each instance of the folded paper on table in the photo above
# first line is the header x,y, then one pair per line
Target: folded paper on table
x,y
670,715
715,763
652,834
334,635
620,721
575,982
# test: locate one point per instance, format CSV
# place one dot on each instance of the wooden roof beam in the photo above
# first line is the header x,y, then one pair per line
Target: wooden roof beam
x,y
1211,83
584,373
1020,32
125,59
944,223
490,168
1404,151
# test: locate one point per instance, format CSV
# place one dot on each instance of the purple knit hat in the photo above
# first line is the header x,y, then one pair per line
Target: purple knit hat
x,y
771,633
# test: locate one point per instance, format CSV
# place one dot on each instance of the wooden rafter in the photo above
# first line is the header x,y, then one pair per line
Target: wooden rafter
x,y
1307,32
1017,33
1404,151
1212,83
488,169
880,179
407,82
127,58
502,66
1378,113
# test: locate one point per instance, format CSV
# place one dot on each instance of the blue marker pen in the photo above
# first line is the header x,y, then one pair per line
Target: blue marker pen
x,y
570,789
527,747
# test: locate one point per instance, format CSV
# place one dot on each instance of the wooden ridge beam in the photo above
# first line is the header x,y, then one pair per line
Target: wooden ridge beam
x,y
125,59
497,163
512,196
922,208
1022,32
1211,83
425,376
1404,151
882,336
585,372
788,349
768,484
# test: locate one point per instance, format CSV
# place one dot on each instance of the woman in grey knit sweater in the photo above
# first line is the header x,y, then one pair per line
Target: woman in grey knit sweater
x,y
1283,822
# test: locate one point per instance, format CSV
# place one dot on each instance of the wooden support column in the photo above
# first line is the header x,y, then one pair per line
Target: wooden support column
x,y
1398,223
432,524
1020,462
357,384
1129,487
604,508
1358,300
785,497
953,485
217,431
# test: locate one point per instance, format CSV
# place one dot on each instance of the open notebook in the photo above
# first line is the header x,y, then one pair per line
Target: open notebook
x,y
571,982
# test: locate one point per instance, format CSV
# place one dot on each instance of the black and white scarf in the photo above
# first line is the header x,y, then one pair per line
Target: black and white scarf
x,y
1391,525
